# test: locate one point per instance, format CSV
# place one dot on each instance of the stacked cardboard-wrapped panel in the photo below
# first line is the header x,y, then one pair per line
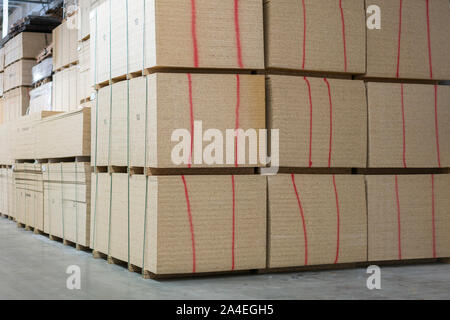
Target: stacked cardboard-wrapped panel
x,y
29,195
84,86
64,135
41,98
65,96
2,69
65,44
25,45
313,48
67,193
134,125
16,103
7,189
6,157
2,110
84,10
18,74
408,215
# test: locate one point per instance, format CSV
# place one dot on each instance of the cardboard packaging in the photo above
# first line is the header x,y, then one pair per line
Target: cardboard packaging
x,y
207,34
16,102
41,98
6,156
84,89
67,201
228,99
7,196
316,220
315,36
65,90
64,135
84,9
318,127
24,133
413,47
2,110
26,45
29,195
2,59
408,217
412,134
183,237
2,81
65,45
19,74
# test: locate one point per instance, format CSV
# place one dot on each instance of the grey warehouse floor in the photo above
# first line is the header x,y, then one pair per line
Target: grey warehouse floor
x,y
33,267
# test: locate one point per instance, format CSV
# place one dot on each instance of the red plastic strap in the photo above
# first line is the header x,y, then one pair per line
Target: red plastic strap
x,y
338,211
433,215
331,122
194,32
191,223
304,34
191,111
238,107
343,35
399,38
404,125
303,218
233,243
398,220
429,39
436,124
238,34
310,121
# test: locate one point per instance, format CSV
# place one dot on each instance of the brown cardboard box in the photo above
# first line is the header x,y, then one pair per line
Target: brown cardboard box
x,y
321,46
173,38
400,216
26,45
170,243
312,222
417,50
64,135
18,74
289,110
67,204
214,102
415,146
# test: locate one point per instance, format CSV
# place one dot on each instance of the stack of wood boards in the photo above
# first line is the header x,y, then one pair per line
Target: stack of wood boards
x,y
67,205
7,192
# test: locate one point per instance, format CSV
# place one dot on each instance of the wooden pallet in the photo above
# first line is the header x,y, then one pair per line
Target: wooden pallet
x,y
174,172
45,53
42,82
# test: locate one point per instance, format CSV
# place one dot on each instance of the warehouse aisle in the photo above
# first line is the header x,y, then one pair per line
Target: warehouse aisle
x,y
33,267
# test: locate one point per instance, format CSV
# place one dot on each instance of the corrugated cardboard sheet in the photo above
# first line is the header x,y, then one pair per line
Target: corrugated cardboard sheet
x,y
316,35
316,220
409,217
327,127
189,222
406,47
411,129
215,99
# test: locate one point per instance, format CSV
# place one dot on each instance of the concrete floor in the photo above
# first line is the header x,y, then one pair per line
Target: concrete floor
x,y
33,267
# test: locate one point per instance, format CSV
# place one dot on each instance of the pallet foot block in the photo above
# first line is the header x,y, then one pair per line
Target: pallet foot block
x,y
316,220
191,223
408,217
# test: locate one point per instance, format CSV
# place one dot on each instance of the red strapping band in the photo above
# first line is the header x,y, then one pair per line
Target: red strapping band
x,y
191,224
343,35
238,107
191,111
433,214
404,125
234,224
399,38
303,218
398,219
436,124
429,39
304,34
310,121
238,34
338,220
194,32
331,122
